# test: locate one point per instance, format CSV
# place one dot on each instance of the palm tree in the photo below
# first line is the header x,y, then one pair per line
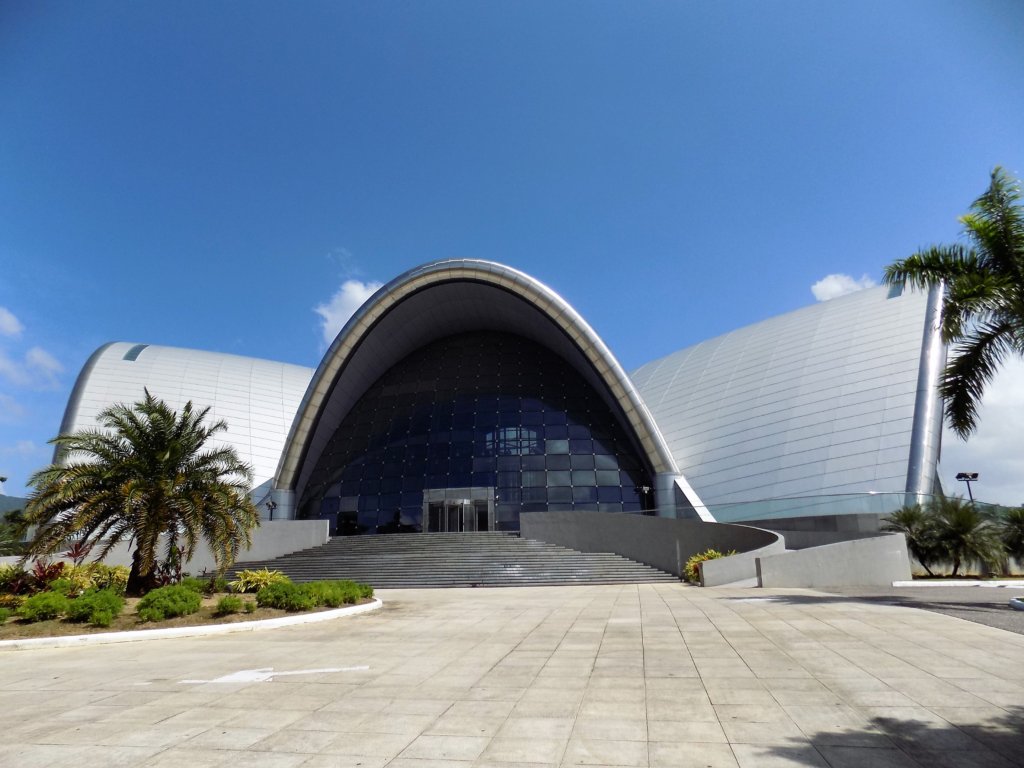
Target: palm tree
x,y
915,525
150,472
1013,533
983,309
963,533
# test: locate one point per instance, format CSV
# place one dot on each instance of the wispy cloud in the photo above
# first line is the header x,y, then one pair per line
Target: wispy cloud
x,y
834,286
9,324
11,410
346,300
37,369
23,448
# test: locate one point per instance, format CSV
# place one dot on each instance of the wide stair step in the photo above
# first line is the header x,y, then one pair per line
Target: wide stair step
x,y
456,560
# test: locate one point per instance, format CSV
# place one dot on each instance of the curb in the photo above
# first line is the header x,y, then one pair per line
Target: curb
x,y
1019,583
135,635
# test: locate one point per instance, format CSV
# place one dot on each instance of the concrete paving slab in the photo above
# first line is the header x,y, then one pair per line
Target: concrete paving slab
x,y
637,676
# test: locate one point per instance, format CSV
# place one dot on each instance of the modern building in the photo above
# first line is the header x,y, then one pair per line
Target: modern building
x,y
464,393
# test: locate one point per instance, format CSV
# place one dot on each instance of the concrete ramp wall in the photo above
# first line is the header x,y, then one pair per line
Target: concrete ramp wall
x,y
662,542
877,561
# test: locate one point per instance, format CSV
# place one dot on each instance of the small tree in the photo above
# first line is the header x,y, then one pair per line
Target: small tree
x,y
963,533
150,472
915,524
1013,533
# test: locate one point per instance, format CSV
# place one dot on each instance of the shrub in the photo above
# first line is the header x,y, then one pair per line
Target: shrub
x,y
64,587
113,577
228,604
43,572
5,614
336,593
11,601
691,572
102,618
13,579
250,607
81,577
207,585
286,596
96,607
254,581
43,606
168,602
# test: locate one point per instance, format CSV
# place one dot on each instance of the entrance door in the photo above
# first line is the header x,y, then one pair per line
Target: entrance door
x,y
459,510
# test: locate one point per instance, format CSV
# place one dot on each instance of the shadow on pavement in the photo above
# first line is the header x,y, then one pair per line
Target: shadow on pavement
x,y
993,742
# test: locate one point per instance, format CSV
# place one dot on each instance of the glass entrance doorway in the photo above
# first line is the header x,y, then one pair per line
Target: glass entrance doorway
x,y
458,510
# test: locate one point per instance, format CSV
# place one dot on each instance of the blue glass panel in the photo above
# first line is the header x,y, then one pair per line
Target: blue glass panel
x,y
559,478
560,461
584,494
559,494
478,401
583,477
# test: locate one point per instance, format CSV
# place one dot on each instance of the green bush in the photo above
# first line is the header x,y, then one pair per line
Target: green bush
x,y
205,586
168,602
285,596
336,593
5,614
63,587
250,607
305,597
102,619
228,604
43,606
96,606
254,581
691,572
12,578
113,577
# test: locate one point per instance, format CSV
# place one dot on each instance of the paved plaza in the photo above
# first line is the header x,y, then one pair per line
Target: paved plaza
x,y
667,676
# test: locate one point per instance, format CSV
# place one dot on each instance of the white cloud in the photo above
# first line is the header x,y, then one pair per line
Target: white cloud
x,y
38,369
834,286
348,298
10,409
21,448
9,324
996,450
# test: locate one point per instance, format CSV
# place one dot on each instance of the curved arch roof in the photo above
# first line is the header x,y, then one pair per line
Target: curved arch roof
x,y
441,299
257,398
825,400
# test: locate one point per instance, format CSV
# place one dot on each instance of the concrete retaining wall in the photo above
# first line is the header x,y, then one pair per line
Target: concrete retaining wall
x,y
272,539
664,543
877,561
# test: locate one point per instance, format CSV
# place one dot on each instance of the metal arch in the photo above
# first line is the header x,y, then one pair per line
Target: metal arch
x,y
531,291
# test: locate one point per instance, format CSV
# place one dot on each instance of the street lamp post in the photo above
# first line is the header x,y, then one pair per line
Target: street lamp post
x,y
968,477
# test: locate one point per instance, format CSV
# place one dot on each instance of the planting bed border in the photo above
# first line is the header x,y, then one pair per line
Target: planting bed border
x,y
135,635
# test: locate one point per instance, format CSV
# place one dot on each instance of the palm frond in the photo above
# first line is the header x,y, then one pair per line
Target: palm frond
x,y
972,367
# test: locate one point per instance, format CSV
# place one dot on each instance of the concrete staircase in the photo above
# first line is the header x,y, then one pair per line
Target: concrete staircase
x,y
456,560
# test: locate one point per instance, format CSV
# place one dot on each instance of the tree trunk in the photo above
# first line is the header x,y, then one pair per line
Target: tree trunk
x,y
956,565
138,582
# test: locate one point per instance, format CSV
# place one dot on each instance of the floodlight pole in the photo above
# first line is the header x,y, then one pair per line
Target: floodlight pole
x,y
968,477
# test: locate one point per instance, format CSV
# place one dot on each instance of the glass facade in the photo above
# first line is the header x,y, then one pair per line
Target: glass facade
x,y
468,432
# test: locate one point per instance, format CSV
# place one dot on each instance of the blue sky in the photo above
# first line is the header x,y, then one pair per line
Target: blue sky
x,y
208,174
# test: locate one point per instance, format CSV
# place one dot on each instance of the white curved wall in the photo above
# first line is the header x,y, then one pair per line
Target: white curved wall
x,y
817,401
257,398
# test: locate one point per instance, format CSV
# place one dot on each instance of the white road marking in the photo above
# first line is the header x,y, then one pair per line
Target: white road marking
x,y
267,674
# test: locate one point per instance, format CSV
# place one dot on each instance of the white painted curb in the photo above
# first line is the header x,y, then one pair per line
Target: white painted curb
x,y
105,638
1019,583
